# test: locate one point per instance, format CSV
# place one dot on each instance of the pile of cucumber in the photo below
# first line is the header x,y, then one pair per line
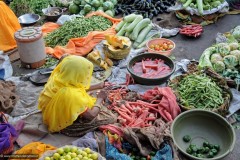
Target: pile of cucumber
x,y
137,29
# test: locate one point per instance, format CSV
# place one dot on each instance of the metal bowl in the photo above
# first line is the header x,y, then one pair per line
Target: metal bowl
x,y
28,19
52,13
150,81
202,126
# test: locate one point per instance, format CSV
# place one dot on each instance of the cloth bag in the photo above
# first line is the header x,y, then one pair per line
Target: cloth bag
x,y
7,135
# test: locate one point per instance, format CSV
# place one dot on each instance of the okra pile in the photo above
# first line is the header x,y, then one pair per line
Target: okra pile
x,y
200,91
79,27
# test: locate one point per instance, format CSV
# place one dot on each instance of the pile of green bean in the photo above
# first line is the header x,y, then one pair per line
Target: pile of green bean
x,y
199,91
78,27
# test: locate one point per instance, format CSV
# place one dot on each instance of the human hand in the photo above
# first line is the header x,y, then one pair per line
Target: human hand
x,y
102,94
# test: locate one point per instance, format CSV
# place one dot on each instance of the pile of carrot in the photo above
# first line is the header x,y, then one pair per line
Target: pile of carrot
x,y
117,94
154,104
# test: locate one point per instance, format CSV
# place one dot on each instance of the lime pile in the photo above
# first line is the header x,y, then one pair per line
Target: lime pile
x,y
73,153
84,7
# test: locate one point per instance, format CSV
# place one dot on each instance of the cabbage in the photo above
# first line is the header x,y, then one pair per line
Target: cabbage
x,y
216,57
233,46
218,66
236,33
237,54
223,49
204,60
230,61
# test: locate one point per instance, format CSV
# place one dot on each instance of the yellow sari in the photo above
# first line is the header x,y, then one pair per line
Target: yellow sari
x,y
8,26
64,97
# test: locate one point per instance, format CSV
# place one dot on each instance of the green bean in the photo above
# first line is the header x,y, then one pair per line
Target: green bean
x,y
200,91
78,27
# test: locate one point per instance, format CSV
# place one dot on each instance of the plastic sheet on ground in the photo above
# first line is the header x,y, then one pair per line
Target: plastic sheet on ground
x,y
223,8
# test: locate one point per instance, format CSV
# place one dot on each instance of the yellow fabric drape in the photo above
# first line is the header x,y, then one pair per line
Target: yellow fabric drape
x,y
64,97
8,26
34,148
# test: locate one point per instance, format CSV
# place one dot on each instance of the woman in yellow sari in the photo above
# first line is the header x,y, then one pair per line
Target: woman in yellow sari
x,y
64,97
8,26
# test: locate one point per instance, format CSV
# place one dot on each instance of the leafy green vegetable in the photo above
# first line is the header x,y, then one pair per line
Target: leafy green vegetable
x,y
218,66
21,7
236,33
230,61
60,3
204,60
216,57
233,46
223,49
237,54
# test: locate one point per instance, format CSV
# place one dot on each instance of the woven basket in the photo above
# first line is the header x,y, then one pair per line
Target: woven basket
x,y
220,81
116,55
50,153
10,149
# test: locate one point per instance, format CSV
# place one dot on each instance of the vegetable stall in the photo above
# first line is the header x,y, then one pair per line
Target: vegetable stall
x,y
144,94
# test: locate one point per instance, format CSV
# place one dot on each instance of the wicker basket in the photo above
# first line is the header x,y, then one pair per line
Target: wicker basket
x,y
50,153
10,149
189,19
116,55
220,81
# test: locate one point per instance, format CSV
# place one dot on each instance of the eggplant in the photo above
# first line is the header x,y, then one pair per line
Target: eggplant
x,y
150,16
158,4
146,15
116,12
143,6
121,10
129,10
155,12
167,4
148,6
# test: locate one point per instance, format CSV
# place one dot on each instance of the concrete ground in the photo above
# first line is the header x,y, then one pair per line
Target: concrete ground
x,y
191,49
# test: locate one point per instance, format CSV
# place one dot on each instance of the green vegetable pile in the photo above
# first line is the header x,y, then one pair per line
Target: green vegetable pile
x,y
60,3
50,61
207,150
224,58
79,27
199,91
137,29
202,5
21,7
86,6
